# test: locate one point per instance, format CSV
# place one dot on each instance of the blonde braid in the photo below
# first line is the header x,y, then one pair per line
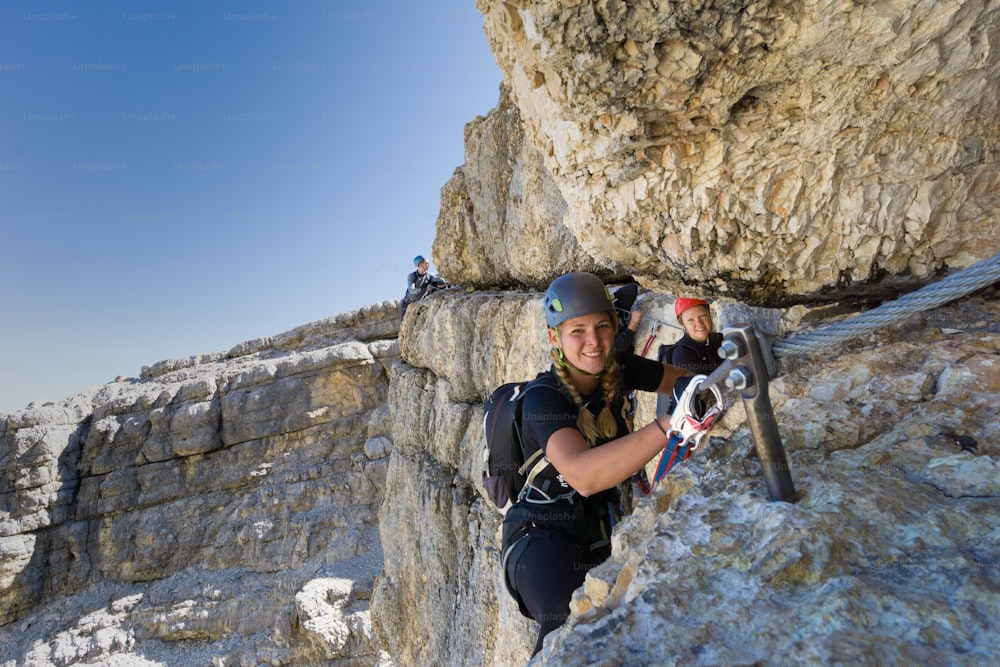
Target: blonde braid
x,y
605,425
584,420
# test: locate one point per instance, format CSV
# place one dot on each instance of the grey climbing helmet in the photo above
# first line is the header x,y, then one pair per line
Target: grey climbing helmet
x,y
576,294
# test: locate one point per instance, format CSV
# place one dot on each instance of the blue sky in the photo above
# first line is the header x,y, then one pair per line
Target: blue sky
x,y
178,177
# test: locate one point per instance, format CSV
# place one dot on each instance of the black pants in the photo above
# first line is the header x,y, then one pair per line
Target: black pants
x,y
544,569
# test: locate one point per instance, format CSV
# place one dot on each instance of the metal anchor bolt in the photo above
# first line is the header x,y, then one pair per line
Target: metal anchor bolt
x,y
738,378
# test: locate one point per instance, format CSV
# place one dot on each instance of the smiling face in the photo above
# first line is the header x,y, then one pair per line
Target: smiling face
x,y
697,322
586,341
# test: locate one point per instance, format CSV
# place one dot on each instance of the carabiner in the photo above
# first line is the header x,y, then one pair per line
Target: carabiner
x,y
684,422
687,430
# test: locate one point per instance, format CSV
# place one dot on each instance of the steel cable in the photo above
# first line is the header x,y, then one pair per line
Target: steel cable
x,y
968,280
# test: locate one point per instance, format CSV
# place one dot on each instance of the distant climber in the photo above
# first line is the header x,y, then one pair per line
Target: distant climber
x,y
420,283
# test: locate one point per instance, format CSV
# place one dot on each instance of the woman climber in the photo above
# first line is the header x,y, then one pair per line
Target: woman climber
x,y
561,525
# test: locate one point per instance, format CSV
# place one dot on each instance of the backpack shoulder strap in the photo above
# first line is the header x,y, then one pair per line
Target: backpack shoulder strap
x,y
537,462
546,379
665,354
529,465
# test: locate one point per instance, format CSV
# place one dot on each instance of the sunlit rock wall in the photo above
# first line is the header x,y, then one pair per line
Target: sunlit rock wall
x,y
766,150
884,557
221,509
501,218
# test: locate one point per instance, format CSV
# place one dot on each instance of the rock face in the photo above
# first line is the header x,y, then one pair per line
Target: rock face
x,y
892,443
220,510
312,498
881,560
768,151
501,219
439,536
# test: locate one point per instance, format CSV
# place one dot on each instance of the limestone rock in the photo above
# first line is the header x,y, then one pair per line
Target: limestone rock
x,y
501,218
477,341
206,512
764,150
441,595
881,559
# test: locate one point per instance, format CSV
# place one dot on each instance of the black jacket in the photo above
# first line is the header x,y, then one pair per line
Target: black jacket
x,y
699,358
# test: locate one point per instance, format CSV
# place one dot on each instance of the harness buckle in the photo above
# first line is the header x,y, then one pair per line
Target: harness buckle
x,y
686,423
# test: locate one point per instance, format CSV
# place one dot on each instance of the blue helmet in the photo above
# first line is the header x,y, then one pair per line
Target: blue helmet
x,y
575,294
418,260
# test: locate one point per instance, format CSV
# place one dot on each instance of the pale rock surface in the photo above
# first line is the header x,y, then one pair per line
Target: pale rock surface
x,y
436,532
312,497
884,558
220,510
766,150
501,213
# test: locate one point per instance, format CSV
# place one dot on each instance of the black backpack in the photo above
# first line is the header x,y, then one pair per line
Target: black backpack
x,y
666,353
506,471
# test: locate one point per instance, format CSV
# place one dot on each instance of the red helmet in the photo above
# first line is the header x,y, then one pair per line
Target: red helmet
x,y
683,304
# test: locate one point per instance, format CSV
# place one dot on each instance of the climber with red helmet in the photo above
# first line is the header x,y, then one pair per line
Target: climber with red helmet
x,y
577,416
697,350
